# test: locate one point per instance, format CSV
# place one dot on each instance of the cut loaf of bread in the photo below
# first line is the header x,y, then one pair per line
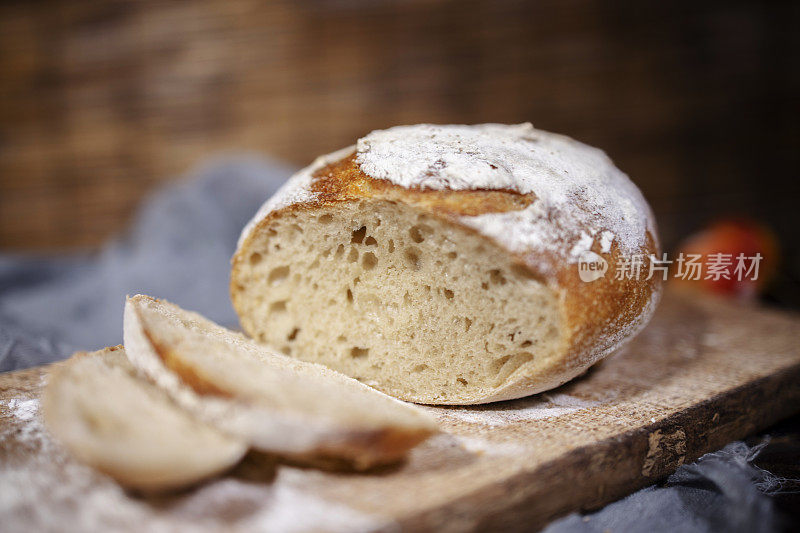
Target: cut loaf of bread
x,y
275,403
441,264
110,418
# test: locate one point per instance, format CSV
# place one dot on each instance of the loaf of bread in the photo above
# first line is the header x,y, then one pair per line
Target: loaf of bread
x,y
108,417
273,402
440,264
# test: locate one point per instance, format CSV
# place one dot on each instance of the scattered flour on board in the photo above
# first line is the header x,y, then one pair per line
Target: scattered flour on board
x,y
44,488
27,429
285,504
535,409
485,446
23,409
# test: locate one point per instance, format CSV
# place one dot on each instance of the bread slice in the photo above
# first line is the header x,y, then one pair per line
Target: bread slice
x,y
121,424
451,264
275,403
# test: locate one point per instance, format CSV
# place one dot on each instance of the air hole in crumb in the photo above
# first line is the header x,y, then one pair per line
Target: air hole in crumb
x,y
370,241
255,258
485,286
448,294
341,338
358,235
349,296
369,261
357,352
391,246
278,307
293,335
339,251
462,381
421,368
287,350
412,258
353,255
356,281
278,274
416,233
407,298
498,363
467,324
496,277
523,272
326,218
452,255
526,344
507,365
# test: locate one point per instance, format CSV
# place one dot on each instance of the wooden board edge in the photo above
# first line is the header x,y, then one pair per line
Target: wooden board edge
x,y
609,470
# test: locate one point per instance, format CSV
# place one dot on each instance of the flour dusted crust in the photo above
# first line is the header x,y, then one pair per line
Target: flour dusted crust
x,y
581,197
539,201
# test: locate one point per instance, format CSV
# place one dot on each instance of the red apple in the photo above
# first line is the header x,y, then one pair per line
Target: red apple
x,y
732,237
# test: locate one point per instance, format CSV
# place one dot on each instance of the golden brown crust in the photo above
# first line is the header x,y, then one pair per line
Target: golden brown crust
x,y
344,180
597,316
366,450
189,375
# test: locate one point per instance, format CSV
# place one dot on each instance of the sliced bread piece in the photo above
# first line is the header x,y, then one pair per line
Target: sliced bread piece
x,y
276,403
123,425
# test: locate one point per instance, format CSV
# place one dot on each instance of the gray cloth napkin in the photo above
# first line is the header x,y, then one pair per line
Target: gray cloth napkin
x,y
179,248
721,491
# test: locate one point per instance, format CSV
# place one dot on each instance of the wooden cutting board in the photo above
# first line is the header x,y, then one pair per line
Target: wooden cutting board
x,y
703,373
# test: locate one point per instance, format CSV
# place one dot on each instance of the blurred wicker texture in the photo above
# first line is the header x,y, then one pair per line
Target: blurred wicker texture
x,y
100,102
